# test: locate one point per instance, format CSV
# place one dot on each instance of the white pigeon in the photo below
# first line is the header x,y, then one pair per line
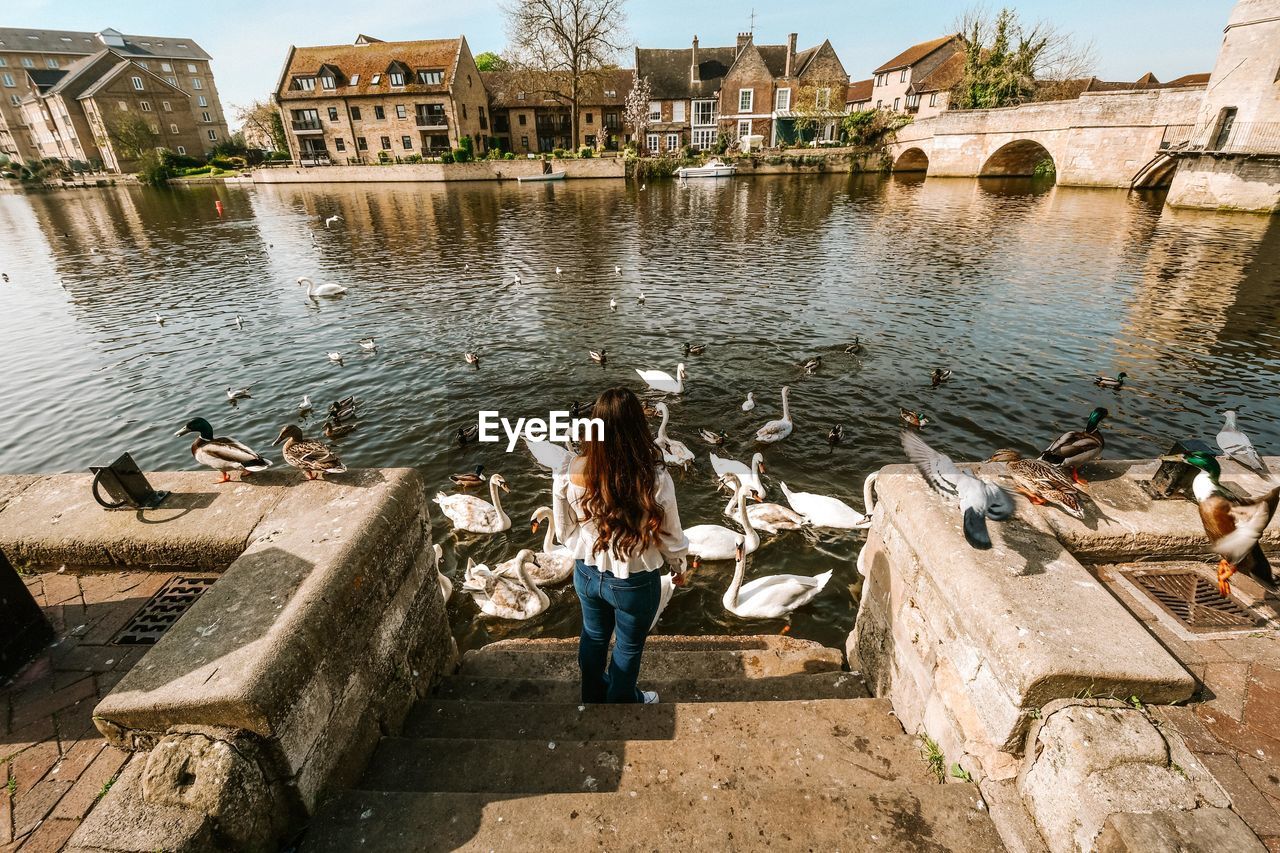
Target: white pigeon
x,y
1236,445
978,499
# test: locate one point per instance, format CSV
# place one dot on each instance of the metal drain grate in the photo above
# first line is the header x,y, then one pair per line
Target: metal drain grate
x,y
1194,601
162,610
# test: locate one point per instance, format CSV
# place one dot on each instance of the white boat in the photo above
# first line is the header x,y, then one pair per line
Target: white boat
x,y
711,169
549,176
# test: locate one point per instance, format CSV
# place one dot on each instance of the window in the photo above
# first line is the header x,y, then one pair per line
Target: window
x,y
375,79
197,85
407,142
881,79
340,144
746,100
379,113
704,112
355,113
677,110
213,134
464,110
182,149
397,78
172,81
673,141
782,100
305,84
124,107
165,66
744,127
52,63
519,96
173,128
145,105
400,111
897,102
655,111
333,114
144,64
651,141
902,78
4,63
933,99
704,138
327,82
15,100
484,125
611,93
590,118
137,83
362,143
386,143
7,79
524,141
879,104
611,121
191,69
430,77
166,106
28,62
354,81
524,119
822,99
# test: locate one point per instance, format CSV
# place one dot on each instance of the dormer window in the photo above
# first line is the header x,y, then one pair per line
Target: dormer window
x,y
430,76
611,93
304,84
519,96
327,82
397,78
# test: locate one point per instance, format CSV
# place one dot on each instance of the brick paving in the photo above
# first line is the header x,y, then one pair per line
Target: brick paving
x,y
54,765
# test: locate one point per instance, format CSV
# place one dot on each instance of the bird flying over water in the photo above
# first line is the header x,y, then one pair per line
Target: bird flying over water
x,y
978,499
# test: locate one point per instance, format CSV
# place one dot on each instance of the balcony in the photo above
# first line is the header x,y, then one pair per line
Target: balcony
x,y
1176,136
307,125
428,121
1238,137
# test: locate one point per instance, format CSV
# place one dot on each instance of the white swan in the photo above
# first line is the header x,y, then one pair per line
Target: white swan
x,y
446,585
660,380
778,429
772,596
314,290
504,598
748,476
750,402
715,542
554,562
824,511
668,590
769,517
548,455
474,515
673,452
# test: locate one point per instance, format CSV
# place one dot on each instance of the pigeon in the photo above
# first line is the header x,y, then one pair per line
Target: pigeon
x,y
979,499
1236,445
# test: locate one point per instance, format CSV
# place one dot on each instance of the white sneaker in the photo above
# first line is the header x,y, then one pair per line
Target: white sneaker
x,y
650,697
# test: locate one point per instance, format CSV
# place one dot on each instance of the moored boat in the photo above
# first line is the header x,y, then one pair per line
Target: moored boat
x,y
711,169
550,176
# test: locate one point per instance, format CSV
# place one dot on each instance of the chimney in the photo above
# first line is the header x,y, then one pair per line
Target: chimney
x,y
791,55
744,39
694,75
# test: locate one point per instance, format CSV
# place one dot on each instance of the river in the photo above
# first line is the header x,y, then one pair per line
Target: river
x,y
1024,291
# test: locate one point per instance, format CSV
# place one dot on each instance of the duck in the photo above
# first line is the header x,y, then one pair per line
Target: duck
x,y
674,452
717,542
349,402
855,347
978,499
159,320
238,393
771,596
555,563
368,344
337,415
222,454
912,419
549,455
769,517
749,403
505,599
446,585
640,299
475,515
667,589
1234,525
471,357
309,456
469,479
712,437
747,475
1236,445
660,380
777,430
694,349
335,357
599,356
938,376
306,406
1109,382
239,322
825,511
333,429
467,434
314,290
1041,482
613,304
1075,448
811,365
836,435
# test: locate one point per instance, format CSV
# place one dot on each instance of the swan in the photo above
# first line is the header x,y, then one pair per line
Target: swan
x,y
446,585
474,515
548,455
673,452
824,511
778,429
769,517
715,542
554,562
772,596
305,406
749,476
503,597
314,290
750,402
668,590
660,380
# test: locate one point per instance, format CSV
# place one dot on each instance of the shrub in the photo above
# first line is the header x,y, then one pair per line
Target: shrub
x,y
494,154
153,170
649,168
559,153
510,155
446,157
585,152
461,155
466,144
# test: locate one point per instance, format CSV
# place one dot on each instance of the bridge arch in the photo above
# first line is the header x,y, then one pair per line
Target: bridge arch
x,y
912,160
1021,158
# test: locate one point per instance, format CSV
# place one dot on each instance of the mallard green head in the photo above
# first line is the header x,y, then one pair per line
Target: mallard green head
x,y
1205,462
1096,417
199,425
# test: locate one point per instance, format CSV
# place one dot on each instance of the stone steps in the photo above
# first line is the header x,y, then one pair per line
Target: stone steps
x,y
660,663
819,685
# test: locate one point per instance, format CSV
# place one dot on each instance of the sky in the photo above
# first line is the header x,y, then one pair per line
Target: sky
x,y
249,40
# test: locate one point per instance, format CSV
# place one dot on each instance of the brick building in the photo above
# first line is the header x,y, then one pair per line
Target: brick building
x,y
375,100
528,118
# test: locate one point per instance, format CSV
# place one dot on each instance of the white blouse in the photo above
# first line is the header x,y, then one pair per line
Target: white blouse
x,y
579,535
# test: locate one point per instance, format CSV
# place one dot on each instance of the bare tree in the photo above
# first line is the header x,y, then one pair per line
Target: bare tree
x,y
262,125
635,109
1007,62
573,39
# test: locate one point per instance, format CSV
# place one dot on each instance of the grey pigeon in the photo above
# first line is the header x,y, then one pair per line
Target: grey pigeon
x,y
1236,445
978,499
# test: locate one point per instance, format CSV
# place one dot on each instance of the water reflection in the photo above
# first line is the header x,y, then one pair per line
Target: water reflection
x,y
1023,290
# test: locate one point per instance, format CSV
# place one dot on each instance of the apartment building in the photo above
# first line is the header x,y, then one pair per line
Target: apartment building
x,y
179,62
921,72
377,100
529,118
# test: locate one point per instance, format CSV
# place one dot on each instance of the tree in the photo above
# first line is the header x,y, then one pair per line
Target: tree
x,y
816,101
131,136
571,39
635,109
1007,63
262,126
490,61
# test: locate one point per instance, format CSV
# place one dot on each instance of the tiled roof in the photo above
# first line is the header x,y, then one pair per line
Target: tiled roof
x,y
1189,80
81,73
943,77
859,91
914,54
668,70
368,60
775,58
45,79
17,39
605,88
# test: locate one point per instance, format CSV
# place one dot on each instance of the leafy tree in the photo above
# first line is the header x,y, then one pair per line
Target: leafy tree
x,y
815,102
261,124
1007,62
131,136
873,127
490,61
635,109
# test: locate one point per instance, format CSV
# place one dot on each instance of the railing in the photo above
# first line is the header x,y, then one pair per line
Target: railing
x,y
314,158
1241,137
431,120
307,124
1176,136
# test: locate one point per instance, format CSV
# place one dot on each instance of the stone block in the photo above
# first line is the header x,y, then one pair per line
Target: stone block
x,y
1202,830
123,822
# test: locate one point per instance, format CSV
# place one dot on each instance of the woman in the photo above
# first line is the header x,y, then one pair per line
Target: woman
x,y
615,509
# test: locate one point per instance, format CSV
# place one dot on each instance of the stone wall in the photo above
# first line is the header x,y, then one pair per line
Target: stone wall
x,y
1244,184
483,170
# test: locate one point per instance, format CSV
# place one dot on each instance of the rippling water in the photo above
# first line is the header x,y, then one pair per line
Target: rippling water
x,y
1025,292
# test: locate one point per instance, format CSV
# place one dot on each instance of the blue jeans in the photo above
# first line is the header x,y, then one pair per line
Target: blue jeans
x,y
622,608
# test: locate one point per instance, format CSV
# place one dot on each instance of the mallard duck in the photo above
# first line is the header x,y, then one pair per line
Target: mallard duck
x,y
811,365
368,344
446,585
836,435
344,409
769,517
234,394
938,376
855,347
469,479
749,403
598,356
554,563
660,380
912,419
222,454
674,452
309,456
475,515
780,428
471,357
771,596
694,349
1236,445
1108,382
712,437
504,598
314,290
1041,482
1075,448
1234,525
467,434
334,429
978,499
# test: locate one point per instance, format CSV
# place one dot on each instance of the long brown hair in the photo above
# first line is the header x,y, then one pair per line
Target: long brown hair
x,y
620,473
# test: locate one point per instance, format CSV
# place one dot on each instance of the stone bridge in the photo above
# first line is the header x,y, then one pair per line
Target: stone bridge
x,y
1105,139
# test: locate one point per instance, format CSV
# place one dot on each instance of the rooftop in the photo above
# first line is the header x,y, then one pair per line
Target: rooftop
x,y
915,53
20,40
943,77
362,68
669,70
859,90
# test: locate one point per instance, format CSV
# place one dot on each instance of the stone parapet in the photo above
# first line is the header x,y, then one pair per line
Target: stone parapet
x,y
479,170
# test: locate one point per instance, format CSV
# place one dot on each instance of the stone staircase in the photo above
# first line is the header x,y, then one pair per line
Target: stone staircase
x,y
758,742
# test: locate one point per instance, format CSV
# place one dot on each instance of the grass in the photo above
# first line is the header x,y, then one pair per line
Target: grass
x,y
960,773
932,754
13,785
106,786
